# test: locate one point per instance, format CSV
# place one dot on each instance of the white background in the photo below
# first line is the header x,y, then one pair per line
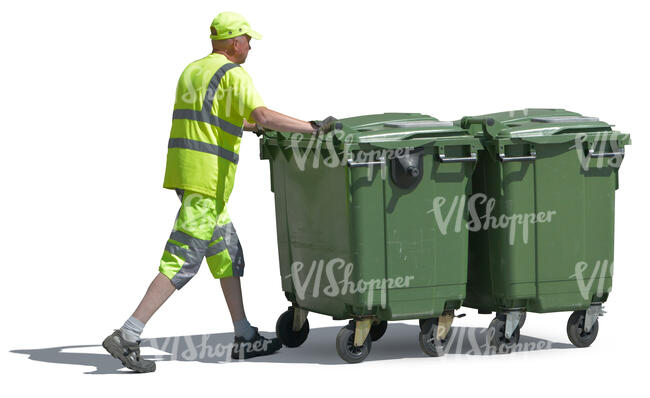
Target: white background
x,y
87,95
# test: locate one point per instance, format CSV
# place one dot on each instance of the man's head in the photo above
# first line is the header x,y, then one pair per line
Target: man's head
x,y
231,35
235,49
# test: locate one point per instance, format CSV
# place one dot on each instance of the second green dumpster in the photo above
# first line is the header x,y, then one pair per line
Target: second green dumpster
x,y
542,219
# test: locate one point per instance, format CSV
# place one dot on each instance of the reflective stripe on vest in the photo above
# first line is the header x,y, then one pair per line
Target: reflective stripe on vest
x,y
205,115
201,146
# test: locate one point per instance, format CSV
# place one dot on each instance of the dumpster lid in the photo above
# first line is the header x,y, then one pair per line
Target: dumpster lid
x,y
564,119
418,123
541,122
399,127
384,129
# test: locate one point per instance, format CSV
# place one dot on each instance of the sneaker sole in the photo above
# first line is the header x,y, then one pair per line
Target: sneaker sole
x,y
116,352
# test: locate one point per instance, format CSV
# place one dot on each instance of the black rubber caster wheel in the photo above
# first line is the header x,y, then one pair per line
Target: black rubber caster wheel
x,y
429,344
286,334
422,324
575,330
497,336
345,345
377,330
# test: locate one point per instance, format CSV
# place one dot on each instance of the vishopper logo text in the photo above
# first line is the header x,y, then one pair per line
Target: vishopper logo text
x,y
196,220
231,99
487,220
475,341
204,348
333,287
200,348
186,348
336,158
614,158
586,282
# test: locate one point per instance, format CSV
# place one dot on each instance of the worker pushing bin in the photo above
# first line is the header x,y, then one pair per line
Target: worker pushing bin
x,y
357,228
542,219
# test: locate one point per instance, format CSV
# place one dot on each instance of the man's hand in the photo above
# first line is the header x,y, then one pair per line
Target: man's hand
x,y
272,120
325,126
259,130
254,127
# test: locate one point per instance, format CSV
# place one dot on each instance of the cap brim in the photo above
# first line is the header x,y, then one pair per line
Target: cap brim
x,y
255,35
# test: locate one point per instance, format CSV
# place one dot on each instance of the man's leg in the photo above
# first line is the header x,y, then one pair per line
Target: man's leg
x,y
181,258
231,288
180,261
158,292
248,342
124,343
226,261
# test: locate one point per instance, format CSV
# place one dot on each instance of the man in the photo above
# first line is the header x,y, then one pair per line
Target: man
x,y
215,102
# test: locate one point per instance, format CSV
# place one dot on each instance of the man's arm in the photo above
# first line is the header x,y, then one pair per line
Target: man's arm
x,y
249,126
273,120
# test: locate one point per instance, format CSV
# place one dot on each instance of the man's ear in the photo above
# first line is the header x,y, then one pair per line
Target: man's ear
x,y
233,47
236,42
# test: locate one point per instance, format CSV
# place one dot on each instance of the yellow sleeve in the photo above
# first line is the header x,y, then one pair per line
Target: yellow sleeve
x,y
245,95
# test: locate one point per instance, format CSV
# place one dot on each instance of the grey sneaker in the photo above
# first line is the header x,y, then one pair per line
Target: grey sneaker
x,y
128,353
257,346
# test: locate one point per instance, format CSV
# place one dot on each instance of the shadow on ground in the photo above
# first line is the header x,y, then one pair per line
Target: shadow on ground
x,y
400,341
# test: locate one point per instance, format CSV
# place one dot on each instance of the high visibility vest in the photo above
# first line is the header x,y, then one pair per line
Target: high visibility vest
x,y
213,97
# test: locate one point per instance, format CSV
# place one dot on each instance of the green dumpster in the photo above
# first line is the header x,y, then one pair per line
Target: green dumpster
x,y
542,219
356,226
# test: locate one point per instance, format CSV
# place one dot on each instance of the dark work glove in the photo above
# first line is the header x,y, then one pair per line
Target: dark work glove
x,y
315,124
259,130
325,126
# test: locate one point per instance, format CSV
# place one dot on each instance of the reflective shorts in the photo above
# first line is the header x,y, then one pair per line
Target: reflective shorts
x,y
202,229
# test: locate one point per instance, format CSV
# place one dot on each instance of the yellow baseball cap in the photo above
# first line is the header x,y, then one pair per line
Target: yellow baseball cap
x,y
231,24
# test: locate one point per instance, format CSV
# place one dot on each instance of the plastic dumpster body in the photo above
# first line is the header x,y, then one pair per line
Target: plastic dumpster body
x,y
357,226
542,218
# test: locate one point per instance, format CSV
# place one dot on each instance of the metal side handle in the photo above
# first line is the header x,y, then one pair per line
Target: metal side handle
x,y
593,154
443,158
504,158
352,163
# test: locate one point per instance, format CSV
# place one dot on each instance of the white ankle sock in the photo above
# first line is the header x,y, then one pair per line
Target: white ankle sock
x,y
132,329
244,329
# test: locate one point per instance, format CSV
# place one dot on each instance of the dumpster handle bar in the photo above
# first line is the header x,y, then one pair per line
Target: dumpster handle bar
x,y
443,158
504,158
352,163
594,154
